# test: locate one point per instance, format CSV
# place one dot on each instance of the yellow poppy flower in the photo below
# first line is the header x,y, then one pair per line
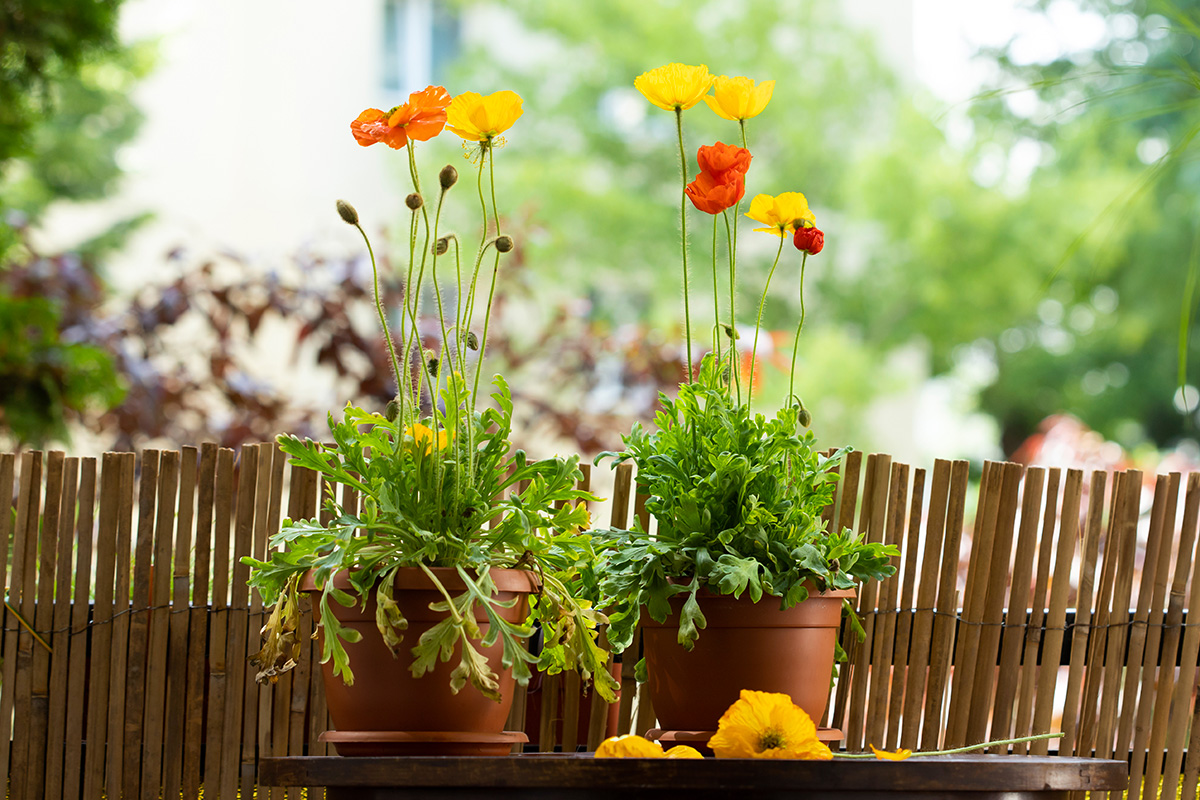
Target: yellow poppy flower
x,y
481,119
674,86
783,214
683,751
629,746
738,98
884,755
767,725
423,437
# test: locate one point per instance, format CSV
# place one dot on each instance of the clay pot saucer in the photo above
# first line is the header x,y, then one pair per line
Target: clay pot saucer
x,y
423,743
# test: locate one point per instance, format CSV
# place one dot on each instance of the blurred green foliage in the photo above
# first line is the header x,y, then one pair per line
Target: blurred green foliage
x,y
1064,278
65,110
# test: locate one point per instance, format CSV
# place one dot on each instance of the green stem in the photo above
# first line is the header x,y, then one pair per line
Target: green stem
x,y
800,327
716,305
387,334
487,321
967,749
758,324
734,365
687,316
438,584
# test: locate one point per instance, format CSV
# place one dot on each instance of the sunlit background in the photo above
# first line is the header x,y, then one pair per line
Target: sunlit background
x,y
1008,192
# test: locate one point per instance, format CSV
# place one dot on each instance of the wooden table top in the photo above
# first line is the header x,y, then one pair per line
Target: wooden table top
x,y
582,776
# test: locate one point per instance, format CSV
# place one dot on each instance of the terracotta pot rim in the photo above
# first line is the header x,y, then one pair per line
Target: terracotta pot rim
x,y
507,579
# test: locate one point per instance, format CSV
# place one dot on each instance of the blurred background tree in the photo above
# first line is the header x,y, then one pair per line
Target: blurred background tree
x,y
64,112
1128,113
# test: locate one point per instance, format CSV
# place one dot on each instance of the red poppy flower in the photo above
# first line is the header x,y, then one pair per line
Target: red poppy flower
x,y
721,158
809,240
421,118
712,196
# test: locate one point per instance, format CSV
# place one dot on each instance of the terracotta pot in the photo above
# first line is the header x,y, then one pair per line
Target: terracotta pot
x,y
385,697
746,645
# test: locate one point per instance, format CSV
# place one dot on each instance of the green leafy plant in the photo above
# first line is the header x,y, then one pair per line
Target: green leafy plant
x,y
437,479
737,495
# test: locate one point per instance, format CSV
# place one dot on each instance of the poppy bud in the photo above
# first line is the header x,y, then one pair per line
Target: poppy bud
x,y
441,246
432,366
504,244
472,341
392,411
809,240
804,417
448,177
414,201
730,331
347,212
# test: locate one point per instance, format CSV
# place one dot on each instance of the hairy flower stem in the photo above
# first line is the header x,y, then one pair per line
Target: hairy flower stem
x,y
414,334
758,325
734,366
716,305
387,334
469,314
800,327
447,364
687,315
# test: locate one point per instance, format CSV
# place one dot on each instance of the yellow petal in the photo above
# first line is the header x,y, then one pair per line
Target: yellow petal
x,y
762,96
674,85
683,751
884,755
629,746
715,105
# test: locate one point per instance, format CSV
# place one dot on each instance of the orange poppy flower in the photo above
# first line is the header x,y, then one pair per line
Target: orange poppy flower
x,y
713,195
720,158
421,118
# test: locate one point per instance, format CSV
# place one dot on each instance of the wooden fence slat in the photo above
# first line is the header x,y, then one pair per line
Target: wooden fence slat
x,y
1186,687
1114,660
1014,623
42,619
134,674
570,714
60,636
944,625
1056,619
302,500
8,469
1135,720
77,669
904,623
996,569
922,641
218,625
1031,673
175,717
235,646
198,615
114,501
1167,712
885,620
1094,676
872,520
158,643
1083,612
963,677
257,703
24,582
847,501
273,718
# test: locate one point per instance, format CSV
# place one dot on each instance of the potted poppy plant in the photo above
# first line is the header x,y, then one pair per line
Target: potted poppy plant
x,y
740,550
426,589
